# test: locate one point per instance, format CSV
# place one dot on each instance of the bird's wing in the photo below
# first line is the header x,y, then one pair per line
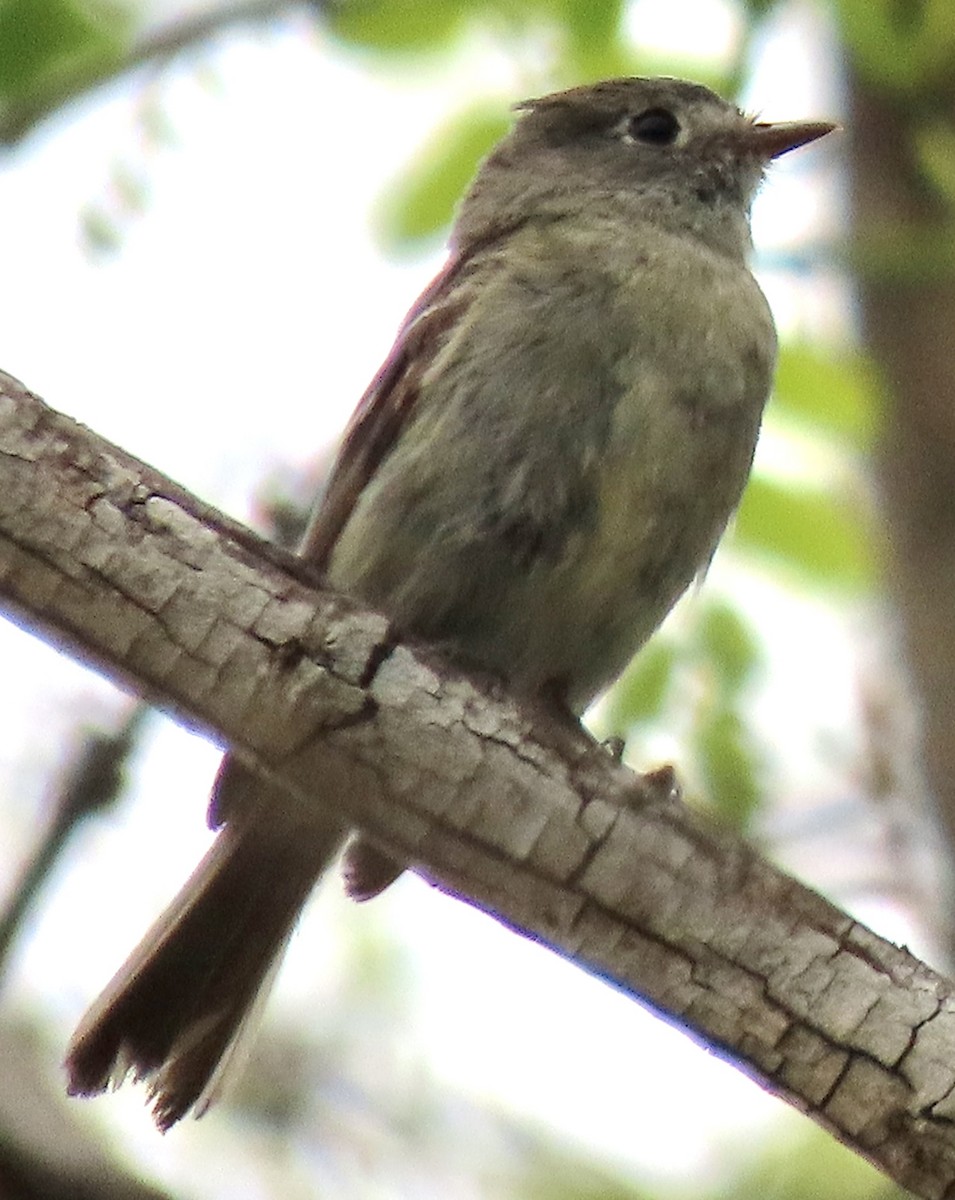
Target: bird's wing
x,y
384,409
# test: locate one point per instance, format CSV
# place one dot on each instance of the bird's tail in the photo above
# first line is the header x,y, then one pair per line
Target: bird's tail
x,y
174,1011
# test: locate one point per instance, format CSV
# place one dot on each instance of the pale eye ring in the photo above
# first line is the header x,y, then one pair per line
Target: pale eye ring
x,y
654,127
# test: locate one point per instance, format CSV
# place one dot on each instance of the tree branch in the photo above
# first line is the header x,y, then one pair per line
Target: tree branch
x,y
156,47
521,815
184,32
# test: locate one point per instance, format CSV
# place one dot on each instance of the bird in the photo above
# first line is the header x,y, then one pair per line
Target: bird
x,y
543,464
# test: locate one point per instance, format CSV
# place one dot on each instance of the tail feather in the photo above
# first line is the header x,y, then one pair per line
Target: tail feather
x,y
173,1012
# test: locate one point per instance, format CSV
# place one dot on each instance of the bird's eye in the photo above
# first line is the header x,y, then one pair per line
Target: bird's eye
x,y
655,127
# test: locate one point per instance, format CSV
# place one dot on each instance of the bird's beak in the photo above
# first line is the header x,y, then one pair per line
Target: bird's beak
x,y
769,141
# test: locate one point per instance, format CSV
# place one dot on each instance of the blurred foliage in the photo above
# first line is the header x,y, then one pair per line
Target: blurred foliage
x,y
935,151
386,1118
587,34
398,26
810,1166
416,209
836,394
816,533
813,534
699,683
898,45
727,756
52,49
819,531
905,52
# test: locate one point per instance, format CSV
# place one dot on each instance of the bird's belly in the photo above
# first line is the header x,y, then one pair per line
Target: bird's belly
x,y
570,622
581,620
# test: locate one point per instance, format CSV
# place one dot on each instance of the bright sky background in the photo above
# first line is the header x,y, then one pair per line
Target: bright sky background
x,y
230,336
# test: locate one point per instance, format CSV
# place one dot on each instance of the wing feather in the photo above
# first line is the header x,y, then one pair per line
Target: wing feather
x,y
384,409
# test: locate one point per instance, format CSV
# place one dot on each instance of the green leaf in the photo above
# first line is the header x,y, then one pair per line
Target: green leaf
x,y
418,207
99,232
758,9
641,692
593,22
592,33
807,1163
839,394
728,645
50,50
396,26
727,764
905,255
935,148
820,537
899,46
39,37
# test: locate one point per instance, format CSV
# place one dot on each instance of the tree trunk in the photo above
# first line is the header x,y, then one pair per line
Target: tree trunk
x,y
906,285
